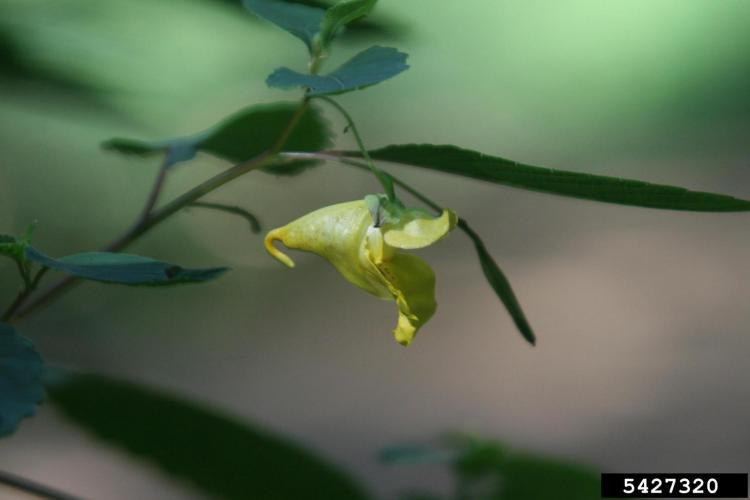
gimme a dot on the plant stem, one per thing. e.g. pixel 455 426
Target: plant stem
pixel 28 288
pixel 232 209
pixel 382 177
pixel 32 487
pixel 23 271
pixel 151 217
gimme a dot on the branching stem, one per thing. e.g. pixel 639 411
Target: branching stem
pixel 151 216
pixel 28 289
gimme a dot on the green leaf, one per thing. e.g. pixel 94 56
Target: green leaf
pixel 124 269
pixel 341 14
pixel 223 457
pixel 454 160
pixel 300 20
pixel 256 130
pixel 20 379
pixel 242 136
pixel 367 68
pixel 499 283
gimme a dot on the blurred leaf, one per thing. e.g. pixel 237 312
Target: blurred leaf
pixel 124 269
pixel 487 470
pixel 254 131
pixel 16 67
pixel 221 456
pixel 379 26
pixel 20 379
pixel 10 246
pixel 242 136
pixel 415 454
pixel 15 249
pixel 300 20
pixel 499 283
pixel 231 209
pixel 477 457
pixel 369 67
pixel 454 160
pixel 528 477
pixel 341 14
pixel 175 150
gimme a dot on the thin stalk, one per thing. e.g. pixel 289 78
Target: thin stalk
pixel 28 289
pixel 24 273
pixel 151 201
pixel 150 217
pixel 231 209
pixel 33 488
pixel 331 156
pixel 383 178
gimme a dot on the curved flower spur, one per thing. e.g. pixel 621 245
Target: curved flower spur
pixel 361 239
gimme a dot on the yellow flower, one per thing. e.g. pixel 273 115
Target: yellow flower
pixel 365 253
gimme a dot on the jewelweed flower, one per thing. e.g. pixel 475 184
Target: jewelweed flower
pixel 361 239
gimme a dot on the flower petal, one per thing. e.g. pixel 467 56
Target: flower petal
pixel 415 230
pixel 411 281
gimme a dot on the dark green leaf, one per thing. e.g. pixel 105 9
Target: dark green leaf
pixel 300 20
pixel 499 283
pixel 20 379
pixel 256 130
pixel 124 269
pixel 369 67
pixel 454 160
pixel 341 14
pixel 243 136
pixel 222 456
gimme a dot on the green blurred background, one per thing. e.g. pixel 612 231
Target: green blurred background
pixel 641 315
